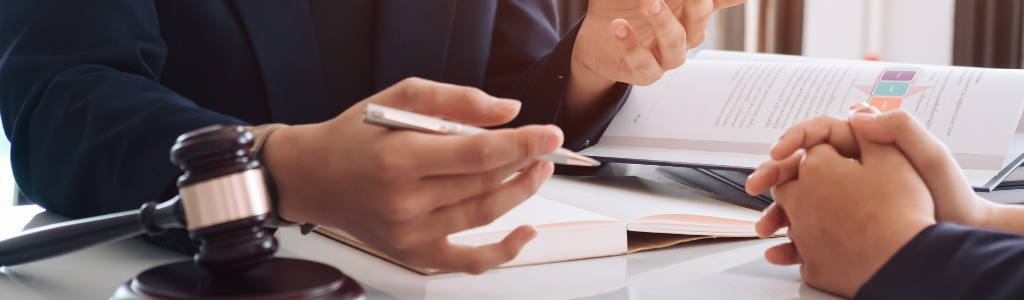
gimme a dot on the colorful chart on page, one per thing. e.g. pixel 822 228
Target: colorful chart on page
pixel 890 88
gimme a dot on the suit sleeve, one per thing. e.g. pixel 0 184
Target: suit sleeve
pixel 89 124
pixel 530 63
pixel 947 261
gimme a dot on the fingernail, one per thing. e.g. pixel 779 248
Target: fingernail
pixel 547 168
pixel 756 171
pixel 528 237
pixel 776 144
pixel 859 108
pixel 864 119
pixel 656 8
pixel 507 105
pixel 621 32
pixel 552 142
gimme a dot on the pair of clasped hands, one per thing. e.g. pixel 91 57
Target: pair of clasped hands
pixel 852 193
pixel 404 192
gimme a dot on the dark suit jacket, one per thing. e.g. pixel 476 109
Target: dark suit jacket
pixel 93 93
pixel 948 261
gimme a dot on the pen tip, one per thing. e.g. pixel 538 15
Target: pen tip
pixel 576 159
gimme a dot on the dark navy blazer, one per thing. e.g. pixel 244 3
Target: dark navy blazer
pixel 93 93
pixel 948 261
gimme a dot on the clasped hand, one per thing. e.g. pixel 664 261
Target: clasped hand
pixel 853 193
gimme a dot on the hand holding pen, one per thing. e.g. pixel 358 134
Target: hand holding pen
pixel 404 192
pixel 400 119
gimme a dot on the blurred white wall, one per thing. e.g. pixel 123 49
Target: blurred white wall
pixel 835 29
pixel 711 42
pixel 918 31
pixel 912 31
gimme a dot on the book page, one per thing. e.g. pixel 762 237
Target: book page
pixel 743 107
pixel 536 211
pixel 783 58
pixel 632 198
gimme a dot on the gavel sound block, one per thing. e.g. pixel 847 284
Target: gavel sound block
pixel 223 203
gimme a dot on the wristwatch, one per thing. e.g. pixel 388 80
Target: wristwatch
pixel 260 134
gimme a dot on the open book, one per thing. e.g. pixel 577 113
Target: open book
pixel 705 271
pixel 724 110
pixel 599 216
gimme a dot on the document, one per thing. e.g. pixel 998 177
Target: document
pixel 725 110
pixel 588 217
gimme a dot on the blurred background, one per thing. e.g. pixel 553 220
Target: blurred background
pixel 981 33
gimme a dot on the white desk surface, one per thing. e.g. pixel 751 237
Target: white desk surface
pixel 722 269
pixel 717 269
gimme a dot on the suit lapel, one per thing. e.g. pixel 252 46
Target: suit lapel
pixel 472 31
pixel 412 39
pixel 284 40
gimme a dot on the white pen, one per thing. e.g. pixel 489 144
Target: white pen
pixel 399 119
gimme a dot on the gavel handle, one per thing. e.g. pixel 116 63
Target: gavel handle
pixel 65 237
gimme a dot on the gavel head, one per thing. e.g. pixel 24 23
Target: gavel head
pixel 225 198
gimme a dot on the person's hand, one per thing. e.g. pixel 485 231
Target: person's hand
pixel 846 217
pixel 632 41
pixel 955 200
pixel 404 192
pixel 636 42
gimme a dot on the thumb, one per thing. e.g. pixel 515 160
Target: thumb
pixel 872 152
pixel 930 158
pixel 880 144
pixel 720 4
pixel 448 101
pixel 870 149
pixel 925 152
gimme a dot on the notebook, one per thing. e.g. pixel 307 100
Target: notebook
pixel 1014 181
pixel 698 271
pixel 724 110
pixel 588 217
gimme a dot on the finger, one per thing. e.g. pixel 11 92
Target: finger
pixel 824 156
pixel 669 34
pixel 858 105
pixel 930 158
pixel 641 68
pixel 448 189
pixel 696 16
pixel 720 4
pixel 774 219
pixel 474 260
pixel 416 154
pixel 485 208
pixel 773 173
pixel 861 108
pixel 926 152
pixel 457 103
pixel 819 159
pixel 879 153
pixel 783 255
pixel 822 129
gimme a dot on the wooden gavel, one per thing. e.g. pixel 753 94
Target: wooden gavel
pixel 223 203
